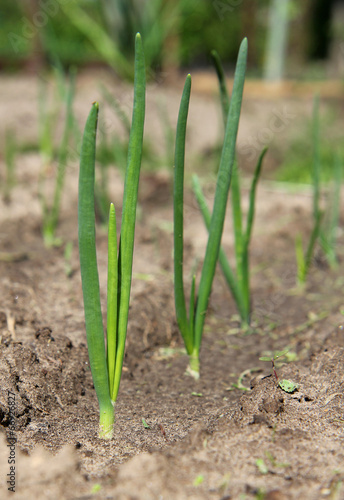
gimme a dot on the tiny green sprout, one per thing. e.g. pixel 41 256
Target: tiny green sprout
pixel 145 425
pixel 288 385
pixel 95 488
pixel 278 354
pixel 197 394
pixel 261 466
pixel 198 480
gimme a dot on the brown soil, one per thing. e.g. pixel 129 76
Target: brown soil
pixel 206 439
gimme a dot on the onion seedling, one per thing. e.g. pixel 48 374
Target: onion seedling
pixel 106 365
pixel 191 324
pixel 238 281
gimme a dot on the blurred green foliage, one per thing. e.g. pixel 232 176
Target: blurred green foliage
pixel 174 32
pixel 204 27
pixel 297 164
pixel 10 14
pixel 30 31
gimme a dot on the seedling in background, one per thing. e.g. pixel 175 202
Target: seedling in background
pixel 304 260
pixel 191 324
pixel 285 385
pixel 51 211
pixel 262 467
pixel 67 259
pixel 238 281
pixel 10 153
pixel 328 229
pixel 111 150
pixel 325 223
pixel 106 365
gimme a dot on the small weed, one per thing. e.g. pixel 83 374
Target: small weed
pixel 285 385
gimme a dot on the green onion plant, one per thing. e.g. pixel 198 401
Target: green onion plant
pixel 191 323
pixel 106 364
pixel 239 280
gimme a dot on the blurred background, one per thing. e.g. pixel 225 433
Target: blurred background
pixel 57 56
pixel 288 38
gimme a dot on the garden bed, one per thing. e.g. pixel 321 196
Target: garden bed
pixel 198 440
